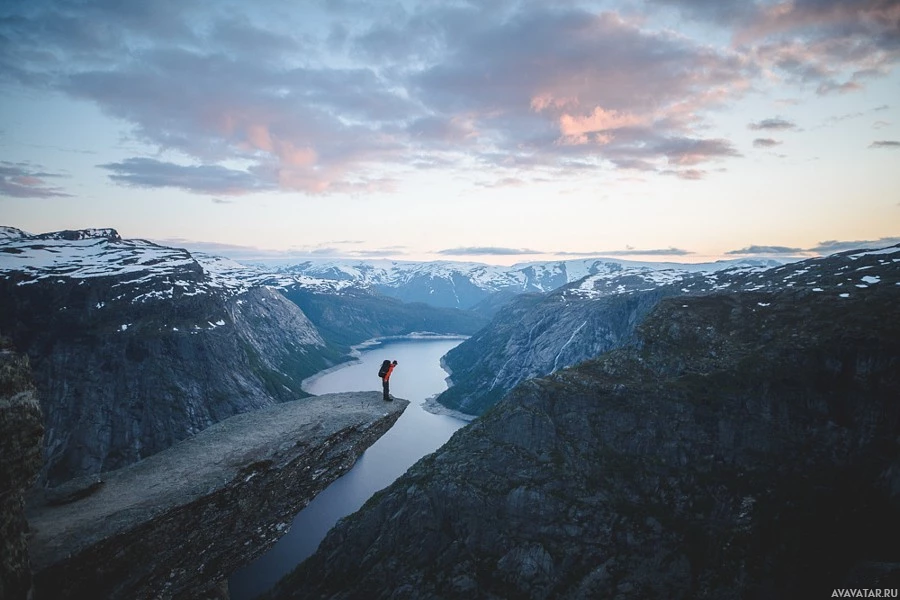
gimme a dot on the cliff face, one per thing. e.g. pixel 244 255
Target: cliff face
pixel 745 447
pixel 536 335
pixel 20 460
pixel 136 346
pixel 533 336
pixel 175 525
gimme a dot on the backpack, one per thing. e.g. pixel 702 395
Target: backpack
pixel 384 368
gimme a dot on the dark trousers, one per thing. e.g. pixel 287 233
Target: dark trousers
pixel 387 389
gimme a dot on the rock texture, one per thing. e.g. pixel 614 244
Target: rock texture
pixel 175 525
pixel 746 446
pixel 20 460
pixel 537 334
pixel 136 346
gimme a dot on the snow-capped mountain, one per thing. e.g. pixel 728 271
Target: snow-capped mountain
pixel 11 233
pixel 135 346
pixel 465 285
pixel 536 335
pixel 147 270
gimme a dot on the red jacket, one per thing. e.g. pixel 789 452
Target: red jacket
pixel 388 374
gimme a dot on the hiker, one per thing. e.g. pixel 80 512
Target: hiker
pixel 387 368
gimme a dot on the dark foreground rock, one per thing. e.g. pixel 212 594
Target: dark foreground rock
pixel 21 432
pixel 176 524
pixel 748 446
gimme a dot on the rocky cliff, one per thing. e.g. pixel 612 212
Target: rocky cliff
pixel 536 335
pixel 175 525
pixel 136 346
pixel 746 446
pixel 21 430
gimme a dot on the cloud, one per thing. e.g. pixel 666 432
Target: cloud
pixel 885 144
pixel 671 251
pixel 832 246
pixel 539 86
pixel 504 182
pixel 880 124
pixel 486 251
pixel 202 179
pixel 823 248
pixel 688 174
pixel 21 180
pixel 774 124
pixel 423 85
pixel 766 143
pixel 766 250
pixel 835 45
pixel 331 98
pixel 500 251
pixel 832 46
pixel 253 253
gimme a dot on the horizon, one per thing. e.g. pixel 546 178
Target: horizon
pixel 492 132
pixel 274 258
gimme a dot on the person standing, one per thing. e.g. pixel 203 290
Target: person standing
pixel 385 382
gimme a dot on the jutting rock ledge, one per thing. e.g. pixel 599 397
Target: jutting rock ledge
pixel 178 523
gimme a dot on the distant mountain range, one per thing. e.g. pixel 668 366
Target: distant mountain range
pixel 472 285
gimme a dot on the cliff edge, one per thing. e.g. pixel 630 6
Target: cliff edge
pixel 178 523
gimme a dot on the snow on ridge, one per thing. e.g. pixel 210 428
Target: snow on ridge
pixel 11 233
pixel 44 257
pixel 537 276
pixel 888 250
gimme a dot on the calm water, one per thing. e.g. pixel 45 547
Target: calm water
pixel 418 376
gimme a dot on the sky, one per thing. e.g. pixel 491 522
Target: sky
pixel 494 131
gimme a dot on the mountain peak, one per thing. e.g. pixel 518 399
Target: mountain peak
pixel 106 233
pixel 12 233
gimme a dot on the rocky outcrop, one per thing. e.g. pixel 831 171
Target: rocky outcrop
pixel 537 334
pixel 136 346
pixel 745 447
pixel 175 525
pixel 20 460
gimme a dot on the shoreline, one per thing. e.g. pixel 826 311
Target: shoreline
pixel 356 351
pixel 431 405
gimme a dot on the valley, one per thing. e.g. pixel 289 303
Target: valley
pixel 639 429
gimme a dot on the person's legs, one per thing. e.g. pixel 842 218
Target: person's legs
pixel 387 389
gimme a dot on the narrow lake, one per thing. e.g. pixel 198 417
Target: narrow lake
pixel 418 376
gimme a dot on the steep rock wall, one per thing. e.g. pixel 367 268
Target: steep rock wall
pixel 746 447
pixel 21 431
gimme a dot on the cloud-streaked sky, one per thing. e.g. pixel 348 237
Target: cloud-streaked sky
pixel 493 130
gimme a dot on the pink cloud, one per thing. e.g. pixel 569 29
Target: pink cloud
pixel 598 120
pixel 786 17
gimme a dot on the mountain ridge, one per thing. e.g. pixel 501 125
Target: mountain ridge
pixel 536 335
